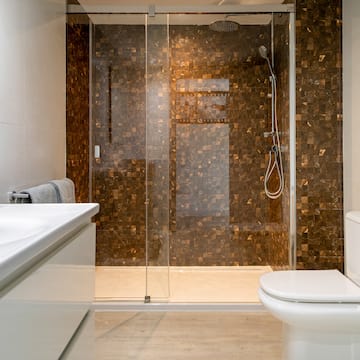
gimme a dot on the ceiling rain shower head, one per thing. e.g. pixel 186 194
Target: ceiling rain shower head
pixel 224 26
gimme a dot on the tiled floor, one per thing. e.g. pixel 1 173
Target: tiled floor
pixel 234 284
pixel 178 335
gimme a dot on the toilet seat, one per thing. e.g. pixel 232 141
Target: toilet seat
pixel 309 286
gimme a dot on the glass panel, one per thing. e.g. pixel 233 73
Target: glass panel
pixel 157 141
pixel 221 107
pixel 179 115
pixel 119 143
pixel 280 258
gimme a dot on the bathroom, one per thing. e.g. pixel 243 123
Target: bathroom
pixel 34 68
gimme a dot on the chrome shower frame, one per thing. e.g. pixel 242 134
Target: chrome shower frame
pixel 292 140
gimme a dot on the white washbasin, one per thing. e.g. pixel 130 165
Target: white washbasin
pixel 29 231
pixel 14 229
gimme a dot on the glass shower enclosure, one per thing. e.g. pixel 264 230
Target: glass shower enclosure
pixel 178 115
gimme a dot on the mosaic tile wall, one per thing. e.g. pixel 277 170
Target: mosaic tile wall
pixel 77 105
pixel 319 135
pixel 319 159
pixel 219 212
pixel 119 129
pixel 219 110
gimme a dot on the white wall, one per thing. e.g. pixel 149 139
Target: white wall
pixel 32 93
pixel 351 93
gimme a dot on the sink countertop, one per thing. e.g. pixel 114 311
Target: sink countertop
pixel 28 232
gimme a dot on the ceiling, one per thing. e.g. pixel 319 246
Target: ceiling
pixel 175 19
pixel 180 19
pixel 177 2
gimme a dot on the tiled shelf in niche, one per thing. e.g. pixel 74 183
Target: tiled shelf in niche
pixel 201 101
pixel 201 108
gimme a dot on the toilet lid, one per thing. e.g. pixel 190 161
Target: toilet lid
pixel 310 286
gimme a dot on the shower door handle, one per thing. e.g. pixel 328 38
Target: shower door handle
pixel 97 151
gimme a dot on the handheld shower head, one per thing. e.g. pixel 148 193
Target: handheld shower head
pixel 263 52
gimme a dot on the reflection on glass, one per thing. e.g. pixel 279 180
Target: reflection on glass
pixel 179 112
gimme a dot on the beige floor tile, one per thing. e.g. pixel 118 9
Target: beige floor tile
pixel 187 335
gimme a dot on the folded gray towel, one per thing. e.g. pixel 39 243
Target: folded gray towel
pixel 44 193
pixel 65 190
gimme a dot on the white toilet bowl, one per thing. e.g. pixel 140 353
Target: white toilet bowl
pixel 320 309
pixel 321 320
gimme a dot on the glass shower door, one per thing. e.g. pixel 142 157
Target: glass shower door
pixel 129 135
pixel 157 157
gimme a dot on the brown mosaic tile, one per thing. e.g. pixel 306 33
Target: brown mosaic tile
pixel 319 135
pixel 248 229
pixel 119 129
pixel 77 104
pixel 206 208
pixel 231 219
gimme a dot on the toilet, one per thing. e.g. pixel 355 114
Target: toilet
pixel 320 309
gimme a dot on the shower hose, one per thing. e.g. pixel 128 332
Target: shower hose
pixel 275 164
